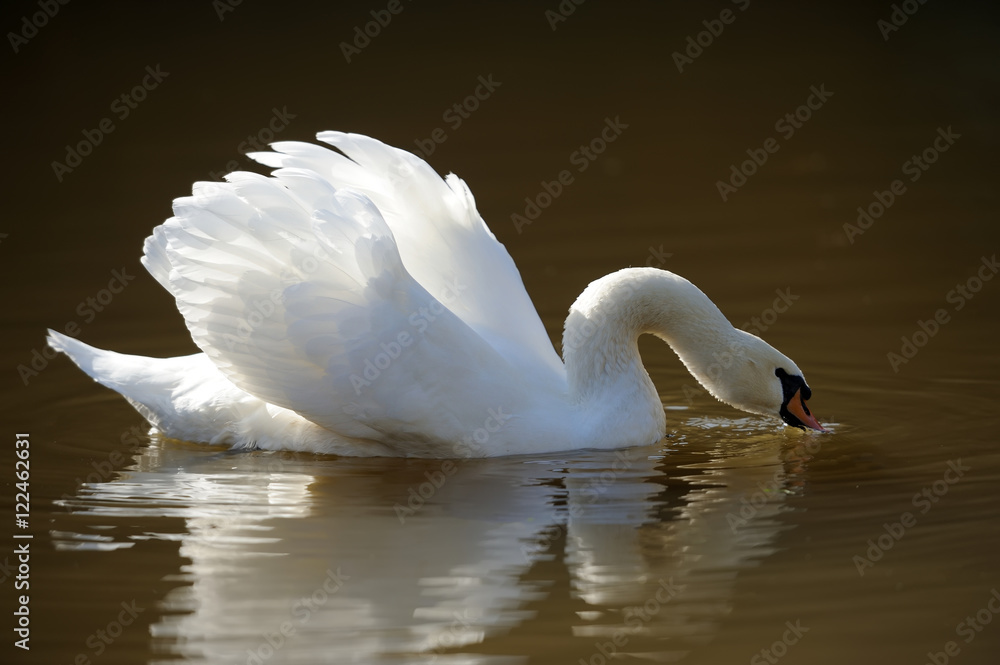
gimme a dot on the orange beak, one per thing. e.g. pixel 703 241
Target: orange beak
pixel 797 407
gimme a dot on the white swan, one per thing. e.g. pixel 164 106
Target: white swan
pixel 359 305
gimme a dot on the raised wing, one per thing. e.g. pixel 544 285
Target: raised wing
pixel 443 241
pixel 297 292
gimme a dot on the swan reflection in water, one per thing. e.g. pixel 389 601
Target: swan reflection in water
pixel 293 558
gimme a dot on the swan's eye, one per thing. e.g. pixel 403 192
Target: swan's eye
pixel 792 383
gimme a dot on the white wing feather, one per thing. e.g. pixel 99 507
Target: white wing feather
pixel 443 241
pixel 295 287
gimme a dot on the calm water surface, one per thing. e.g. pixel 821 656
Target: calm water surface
pixel 733 540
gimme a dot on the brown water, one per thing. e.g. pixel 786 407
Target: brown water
pixel 877 543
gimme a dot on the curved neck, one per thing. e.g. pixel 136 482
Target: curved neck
pixel 600 338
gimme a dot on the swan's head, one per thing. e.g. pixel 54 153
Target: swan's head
pixel 736 367
pixel 754 376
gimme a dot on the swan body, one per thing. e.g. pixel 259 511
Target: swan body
pixel 356 303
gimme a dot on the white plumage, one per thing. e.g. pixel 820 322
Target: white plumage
pixel 360 305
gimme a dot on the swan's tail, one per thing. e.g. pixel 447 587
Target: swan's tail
pixel 149 384
pixel 189 398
